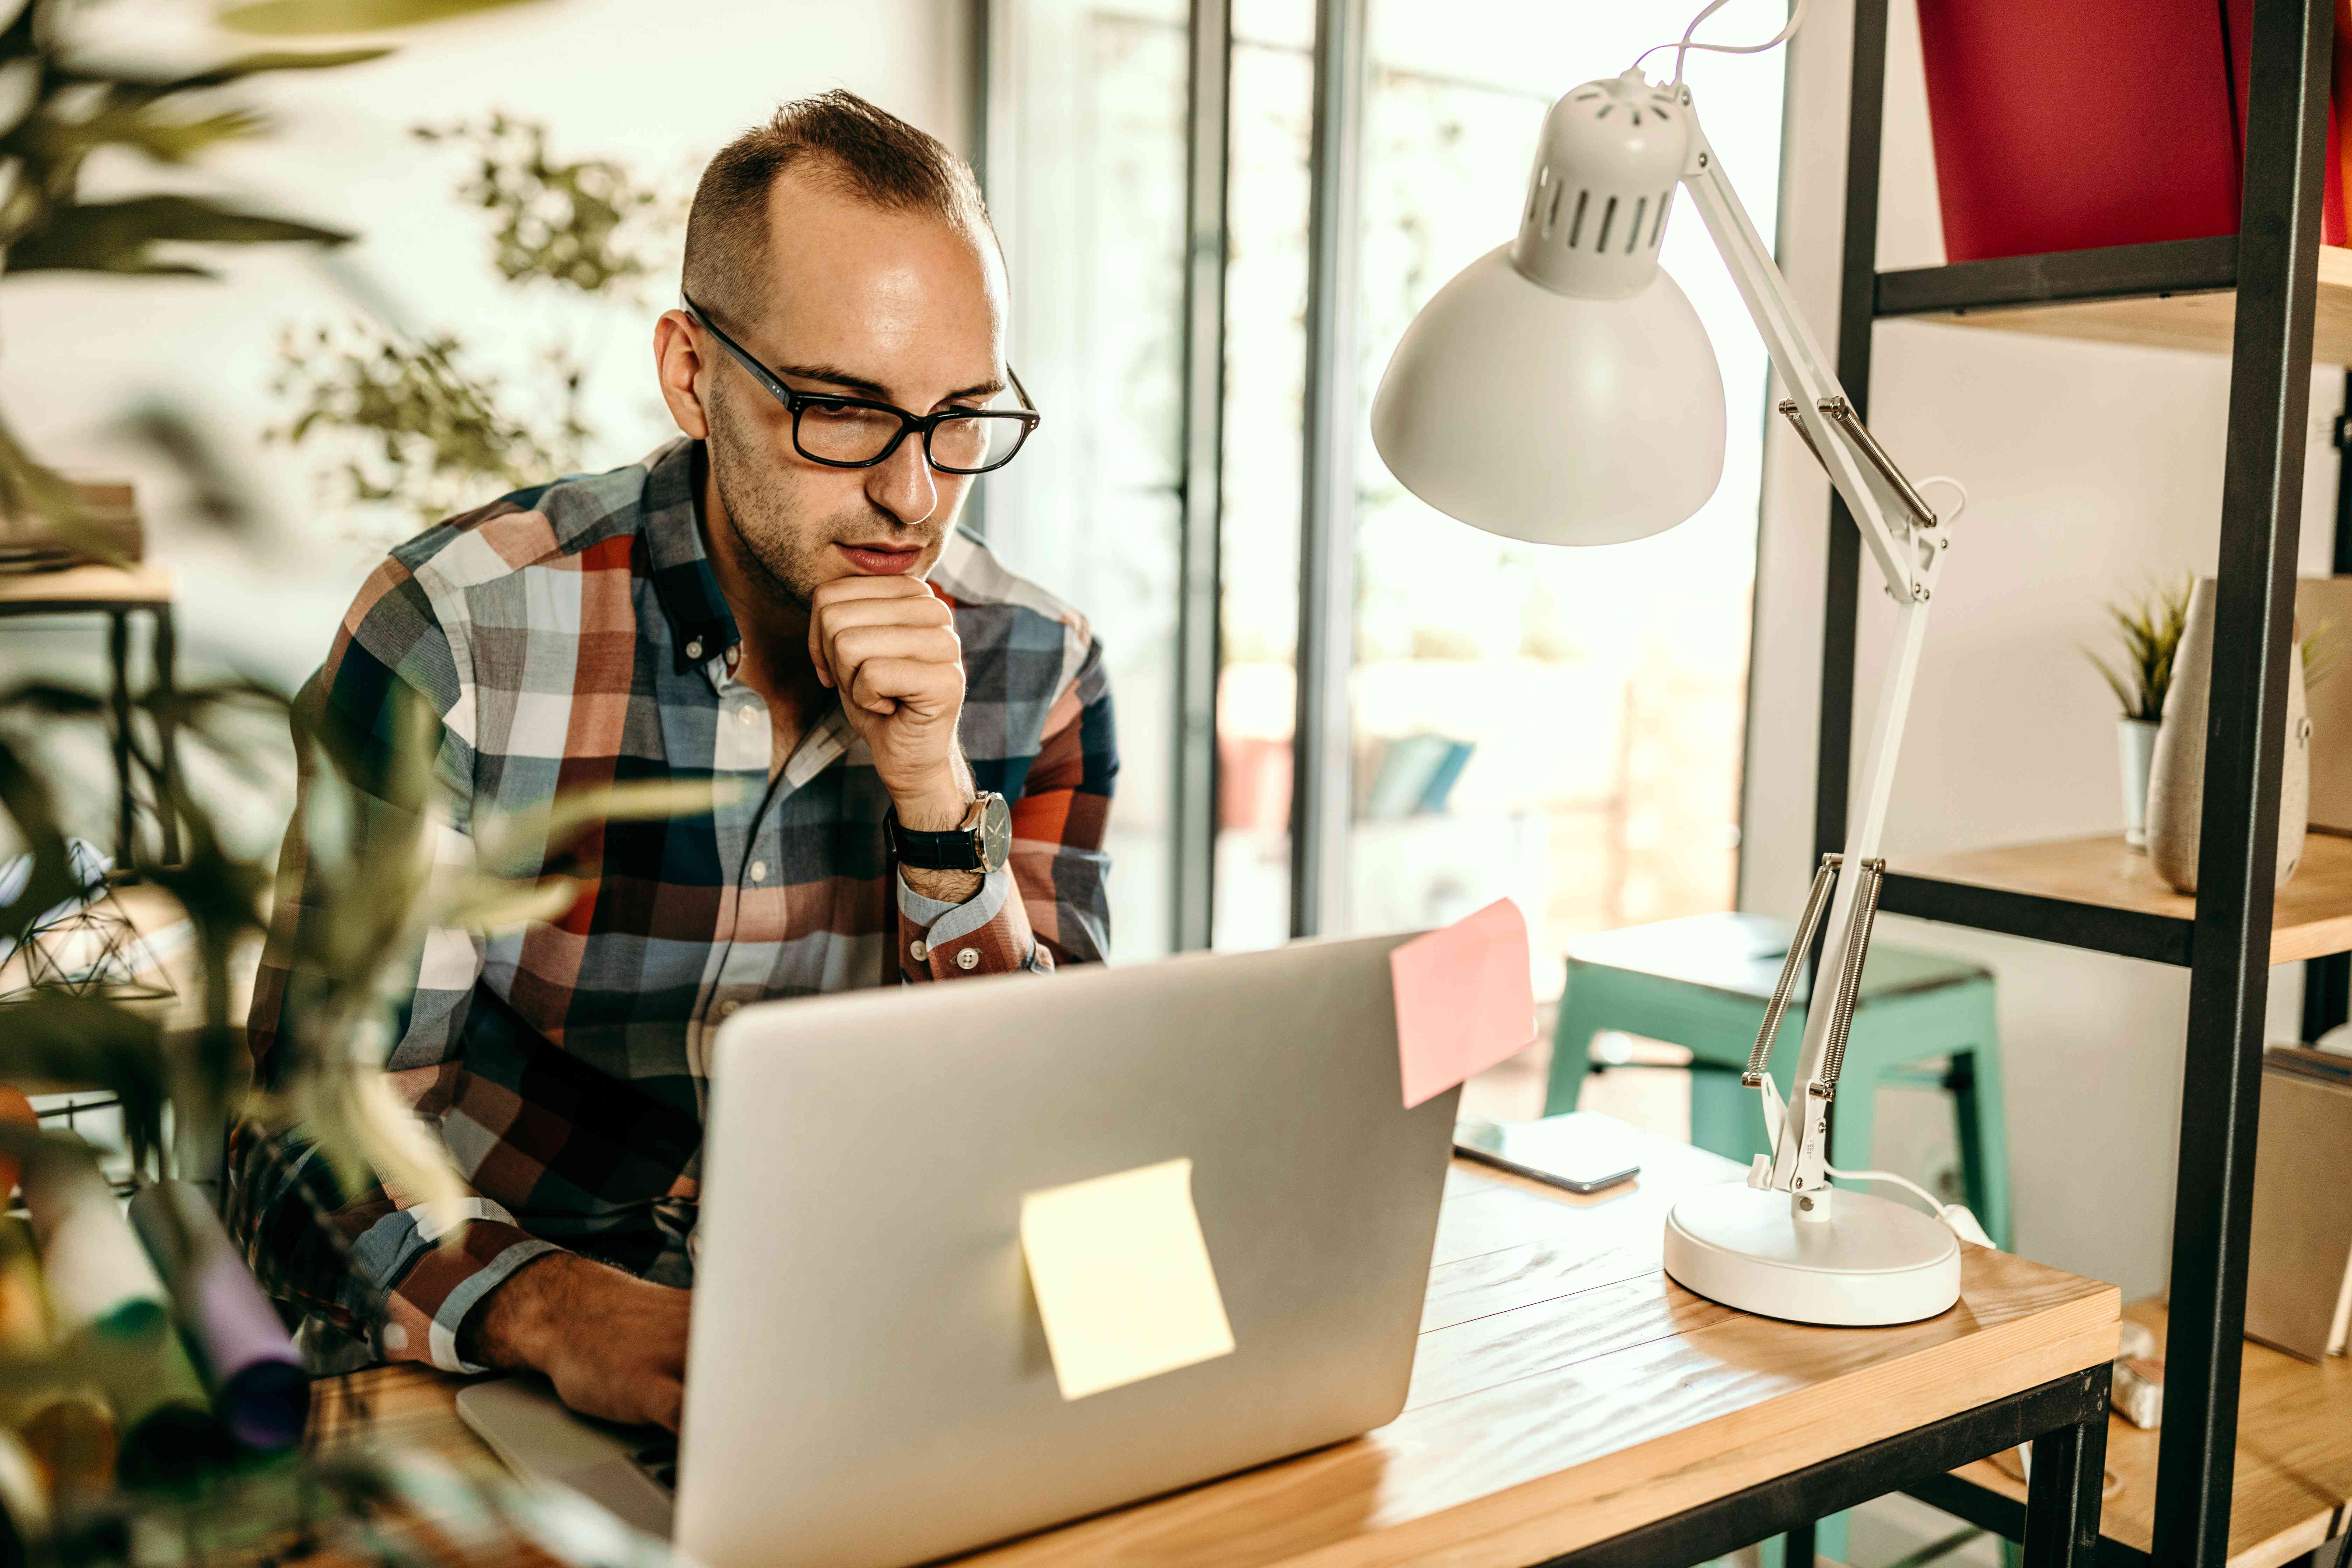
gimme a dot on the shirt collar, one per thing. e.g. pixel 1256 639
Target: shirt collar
pixel 702 626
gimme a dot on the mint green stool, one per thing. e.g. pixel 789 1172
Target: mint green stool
pixel 1704 982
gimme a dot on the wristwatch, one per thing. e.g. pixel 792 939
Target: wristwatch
pixel 980 843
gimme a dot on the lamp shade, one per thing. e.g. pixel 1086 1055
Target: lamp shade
pixel 1554 417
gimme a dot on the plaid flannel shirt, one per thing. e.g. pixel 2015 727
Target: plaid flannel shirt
pixel 576 635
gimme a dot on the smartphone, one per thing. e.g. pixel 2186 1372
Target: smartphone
pixel 1581 1151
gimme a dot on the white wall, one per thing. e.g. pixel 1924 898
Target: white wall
pixel 2091 468
pixel 661 86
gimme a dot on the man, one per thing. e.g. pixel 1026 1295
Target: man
pixel 779 601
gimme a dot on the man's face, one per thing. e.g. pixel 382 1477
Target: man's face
pixel 896 307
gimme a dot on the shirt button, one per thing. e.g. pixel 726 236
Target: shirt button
pixel 747 715
pixel 968 958
pixel 758 870
pixel 694 650
pixel 728 1008
pixel 919 950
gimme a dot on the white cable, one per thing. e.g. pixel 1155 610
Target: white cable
pixel 1952 516
pixel 1683 48
pixel 1906 1183
pixel 1961 1221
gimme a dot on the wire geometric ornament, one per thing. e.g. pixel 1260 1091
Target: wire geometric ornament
pixel 85 946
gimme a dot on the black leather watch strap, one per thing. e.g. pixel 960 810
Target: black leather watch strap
pixel 978 844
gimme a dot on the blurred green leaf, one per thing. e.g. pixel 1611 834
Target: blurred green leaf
pixel 24 796
pixel 88 1042
pixel 255 63
pixel 297 18
pixel 126 122
pixel 116 236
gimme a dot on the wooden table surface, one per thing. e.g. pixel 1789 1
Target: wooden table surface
pixel 95 587
pixel 1564 1392
pixel 2292 1486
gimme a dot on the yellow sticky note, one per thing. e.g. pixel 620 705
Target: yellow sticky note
pixel 1122 1278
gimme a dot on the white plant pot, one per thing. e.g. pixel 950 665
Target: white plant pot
pixel 2135 750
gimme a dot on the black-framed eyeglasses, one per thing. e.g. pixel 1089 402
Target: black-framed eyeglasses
pixel 859 433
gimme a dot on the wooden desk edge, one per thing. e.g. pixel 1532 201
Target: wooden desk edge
pixel 1581 1506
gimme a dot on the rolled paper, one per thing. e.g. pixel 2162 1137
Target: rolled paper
pixel 98 1274
pixel 24 1499
pixel 66 1434
pixel 260 1389
pixel 71 1440
pixel 13 1107
pixel 170 1434
pixel 24 1304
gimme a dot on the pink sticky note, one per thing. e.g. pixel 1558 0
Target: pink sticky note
pixel 1464 1001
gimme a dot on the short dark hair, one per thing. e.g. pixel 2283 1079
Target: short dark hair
pixel 868 152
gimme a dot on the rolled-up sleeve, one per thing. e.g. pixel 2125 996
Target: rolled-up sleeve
pixel 1050 904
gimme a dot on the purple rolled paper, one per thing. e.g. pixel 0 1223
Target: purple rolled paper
pixel 259 1388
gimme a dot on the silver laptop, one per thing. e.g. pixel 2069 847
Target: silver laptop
pixel 868 1382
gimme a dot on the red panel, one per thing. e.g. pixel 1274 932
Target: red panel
pixel 2069 124
pixel 2241 15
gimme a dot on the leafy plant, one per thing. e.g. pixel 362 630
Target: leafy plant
pixel 586 225
pixel 65 108
pixel 367 829
pixel 427 433
pixel 2322 651
pixel 2149 626
pixel 417 423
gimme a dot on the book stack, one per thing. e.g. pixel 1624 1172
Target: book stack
pixel 2299 1284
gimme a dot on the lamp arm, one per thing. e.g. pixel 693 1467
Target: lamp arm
pixel 1908 546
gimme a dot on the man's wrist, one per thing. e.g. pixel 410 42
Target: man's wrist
pixel 511 1326
pixel 940 809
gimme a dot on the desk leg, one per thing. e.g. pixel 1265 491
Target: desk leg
pixel 118 648
pixel 1797 1548
pixel 165 651
pixel 2062 1500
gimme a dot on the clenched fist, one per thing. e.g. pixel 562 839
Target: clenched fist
pixel 888 645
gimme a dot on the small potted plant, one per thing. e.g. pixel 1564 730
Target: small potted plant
pixel 2149 627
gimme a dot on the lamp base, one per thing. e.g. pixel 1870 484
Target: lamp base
pixel 1872 1262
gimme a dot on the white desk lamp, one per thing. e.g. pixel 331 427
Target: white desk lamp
pixel 1561 390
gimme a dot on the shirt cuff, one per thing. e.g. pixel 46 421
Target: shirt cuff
pixel 431 1287
pixel 988 933
pixel 938 916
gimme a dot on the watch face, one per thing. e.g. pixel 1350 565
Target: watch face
pixel 995 833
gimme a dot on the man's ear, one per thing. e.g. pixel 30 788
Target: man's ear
pixel 677 365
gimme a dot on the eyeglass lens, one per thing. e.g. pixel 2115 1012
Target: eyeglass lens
pixel 855 435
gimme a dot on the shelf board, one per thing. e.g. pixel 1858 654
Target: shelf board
pixel 2096 893
pixel 2294 1471
pixel 2181 294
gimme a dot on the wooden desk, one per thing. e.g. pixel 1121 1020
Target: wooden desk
pixel 1569 1399
pixel 2292 1489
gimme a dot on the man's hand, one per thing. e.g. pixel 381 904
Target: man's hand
pixel 888 645
pixel 613 1345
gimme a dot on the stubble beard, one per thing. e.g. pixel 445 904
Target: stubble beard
pixel 770 536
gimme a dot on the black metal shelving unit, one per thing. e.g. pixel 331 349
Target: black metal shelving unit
pixel 2272 265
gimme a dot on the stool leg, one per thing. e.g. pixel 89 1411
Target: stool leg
pixel 163 648
pixel 1724 1117
pixel 118 648
pixel 1978 1106
pixel 1571 1047
pixel 1852 1117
